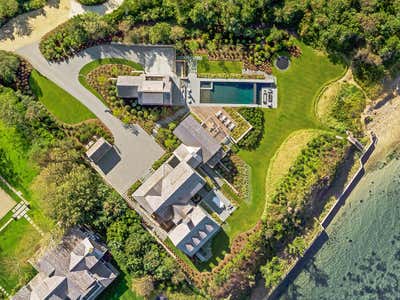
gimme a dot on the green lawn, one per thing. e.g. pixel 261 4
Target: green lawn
pixel 18 242
pixel 219 66
pixel 120 289
pixel 298 88
pixel 61 104
pixel 104 61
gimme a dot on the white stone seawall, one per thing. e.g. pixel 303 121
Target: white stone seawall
pixel 322 236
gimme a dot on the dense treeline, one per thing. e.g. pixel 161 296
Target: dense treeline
pixel 11 8
pixel 287 216
pixel 367 31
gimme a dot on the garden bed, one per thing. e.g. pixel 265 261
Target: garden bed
pixel 237 173
pixel 101 79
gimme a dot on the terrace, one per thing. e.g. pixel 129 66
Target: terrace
pixel 222 122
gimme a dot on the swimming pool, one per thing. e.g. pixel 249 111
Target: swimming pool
pixel 231 92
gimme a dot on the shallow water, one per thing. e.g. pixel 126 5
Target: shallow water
pixel 361 259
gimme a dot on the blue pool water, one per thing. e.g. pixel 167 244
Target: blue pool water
pixel 230 92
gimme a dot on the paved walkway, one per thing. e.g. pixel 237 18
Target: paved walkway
pixel 136 149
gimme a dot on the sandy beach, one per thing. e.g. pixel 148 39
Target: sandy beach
pixel 385 124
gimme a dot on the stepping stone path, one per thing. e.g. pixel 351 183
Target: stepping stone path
pixel 21 210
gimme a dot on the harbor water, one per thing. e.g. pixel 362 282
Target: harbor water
pixel 361 258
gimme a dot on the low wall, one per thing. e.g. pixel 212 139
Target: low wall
pixel 352 184
pixel 322 237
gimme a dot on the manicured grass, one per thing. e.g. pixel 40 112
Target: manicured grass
pixel 104 61
pixel 18 242
pixel 219 66
pixel 60 104
pixel 120 289
pixel 298 88
pixel 21 171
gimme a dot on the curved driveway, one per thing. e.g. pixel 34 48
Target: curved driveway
pixel 137 150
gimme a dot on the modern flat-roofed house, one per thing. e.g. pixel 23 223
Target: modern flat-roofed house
pixel 192 134
pixel 75 269
pixel 148 89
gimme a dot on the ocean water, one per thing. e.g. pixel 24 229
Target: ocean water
pixel 361 258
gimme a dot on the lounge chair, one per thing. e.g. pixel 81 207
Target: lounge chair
pixel 231 126
pixel 227 122
pixel 223 118
pixel 218 114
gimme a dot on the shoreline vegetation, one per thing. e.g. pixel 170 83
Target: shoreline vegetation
pixel 315 238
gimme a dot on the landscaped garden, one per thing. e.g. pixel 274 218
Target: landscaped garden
pixel 99 77
pixel 61 104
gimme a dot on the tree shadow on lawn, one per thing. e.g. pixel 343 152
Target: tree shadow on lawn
pixel 220 247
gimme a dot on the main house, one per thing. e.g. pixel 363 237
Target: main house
pixel 148 89
pixel 78 268
pixel 172 193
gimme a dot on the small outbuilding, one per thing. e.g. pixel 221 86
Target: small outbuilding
pixel 98 150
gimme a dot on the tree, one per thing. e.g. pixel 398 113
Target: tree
pixel 9 65
pixel 8 8
pixel 144 286
pixel 297 247
pixel 160 33
pixel 272 272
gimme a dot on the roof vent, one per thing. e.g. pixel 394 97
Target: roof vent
pixel 202 234
pixel 196 240
pixel 189 247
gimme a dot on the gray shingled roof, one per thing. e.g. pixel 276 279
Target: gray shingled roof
pixel 70 271
pixel 168 186
pixel 197 228
pixel 190 132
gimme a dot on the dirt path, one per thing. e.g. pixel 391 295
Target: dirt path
pixel 6 203
pixel 28 28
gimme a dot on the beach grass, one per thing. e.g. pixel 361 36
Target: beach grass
pixel 63 106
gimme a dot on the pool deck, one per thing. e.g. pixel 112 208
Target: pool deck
pixel 193 89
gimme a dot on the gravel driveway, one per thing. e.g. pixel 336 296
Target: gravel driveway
pixel 137 150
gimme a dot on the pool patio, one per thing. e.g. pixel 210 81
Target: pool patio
pixel 192 91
